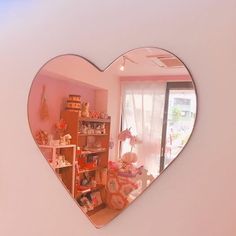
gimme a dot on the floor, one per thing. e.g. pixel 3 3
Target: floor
pixel 103 216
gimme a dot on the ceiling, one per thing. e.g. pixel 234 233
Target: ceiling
pixel 141 62
pixel 148 62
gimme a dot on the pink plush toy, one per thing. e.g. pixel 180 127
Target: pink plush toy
pixel 129 157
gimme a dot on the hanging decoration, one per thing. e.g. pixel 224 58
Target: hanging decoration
pixel 43 110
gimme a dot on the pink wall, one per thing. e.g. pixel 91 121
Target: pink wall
pixel 57 91
pixel 106 84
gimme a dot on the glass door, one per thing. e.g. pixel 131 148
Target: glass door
pixel 179 117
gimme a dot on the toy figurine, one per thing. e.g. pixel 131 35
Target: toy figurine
pixel 85 110
pixel 98 129
pixel 103 128
pixel 84 129
pixel 65 140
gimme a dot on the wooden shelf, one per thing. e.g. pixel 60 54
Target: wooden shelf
pixel 85 140
pixel 94 120
pixel 86 135
pixel 63 166
pixel 58 146
pixel 90 189
pixel 92 169
pixel 98 186
pixel 87 152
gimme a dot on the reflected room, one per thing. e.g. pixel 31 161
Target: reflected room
pixel 108 134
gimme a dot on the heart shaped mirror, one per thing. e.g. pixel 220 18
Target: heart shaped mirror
pixel 109 134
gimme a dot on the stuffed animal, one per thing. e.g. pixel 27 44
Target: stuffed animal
pixel 65 140
pixel 85 109
pixel 129 157
pixel 128 169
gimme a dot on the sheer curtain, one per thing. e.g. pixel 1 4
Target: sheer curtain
pixel 142 112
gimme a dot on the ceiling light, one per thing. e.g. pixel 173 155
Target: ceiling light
pixel 122 66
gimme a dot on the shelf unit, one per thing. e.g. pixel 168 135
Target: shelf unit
pixel 82 142
pixel 94 119
pixel 67 170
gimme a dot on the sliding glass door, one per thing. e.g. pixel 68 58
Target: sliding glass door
pixel 162 115
pixel 178 120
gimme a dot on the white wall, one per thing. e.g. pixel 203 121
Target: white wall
pixel 196 195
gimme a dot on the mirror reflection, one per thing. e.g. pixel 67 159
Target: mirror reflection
pixel 109 134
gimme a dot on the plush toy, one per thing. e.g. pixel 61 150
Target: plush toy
pixel 65 140
pixel 129 157
pixel 85 109
pixel 128 168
